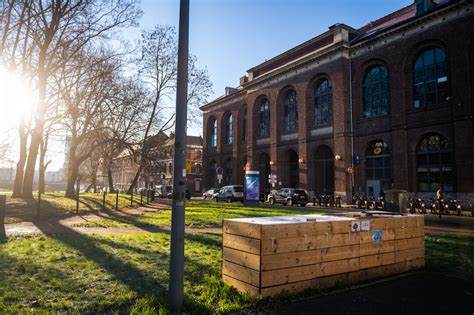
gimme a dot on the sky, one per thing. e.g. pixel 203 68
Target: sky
pixel 230 36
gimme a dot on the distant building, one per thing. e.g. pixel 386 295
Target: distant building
pixel 159 169
pixel 388 105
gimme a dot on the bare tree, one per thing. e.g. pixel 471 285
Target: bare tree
pixel 158 69
pixel 53 33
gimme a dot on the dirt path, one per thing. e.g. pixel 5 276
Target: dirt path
pixel 73 224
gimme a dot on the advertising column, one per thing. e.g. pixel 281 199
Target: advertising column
pixel 252 188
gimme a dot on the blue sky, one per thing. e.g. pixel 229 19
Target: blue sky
pixel 230 36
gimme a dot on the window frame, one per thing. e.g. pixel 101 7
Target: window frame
pixel 381 85
pixel 328 104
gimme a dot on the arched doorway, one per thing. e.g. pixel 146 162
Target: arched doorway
pixel 264 169
pixel 228 171
pixel 323 171
pixel 212 174
pixel 292 170
pixel 434 164
pixel 378 174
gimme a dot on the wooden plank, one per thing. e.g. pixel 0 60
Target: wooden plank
pixel 249 245
pixel 241 258
pixel 382 223
pixel 307 228
pixel 241 228
pixel 409 232
pixel 409 243
pixel 241 286
pixel 295 274
pixel 409 254
pixel 376 260
pixel 318 283
pixel 366 237
pixel 377 248
pixel 310 257
pixel 241 273
pixel 292 244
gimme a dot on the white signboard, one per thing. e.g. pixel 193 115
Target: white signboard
pixel 365 226
pixel 355 226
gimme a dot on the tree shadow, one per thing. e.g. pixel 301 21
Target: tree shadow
pixel 124 271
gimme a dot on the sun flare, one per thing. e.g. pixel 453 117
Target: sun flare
pixel 16 98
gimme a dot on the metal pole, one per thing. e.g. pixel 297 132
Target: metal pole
pixel 176 281
pixel 3 202
pixel 116 199
pixel 103 200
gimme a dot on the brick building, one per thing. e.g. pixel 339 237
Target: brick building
pixel 159 170
pixel 388 105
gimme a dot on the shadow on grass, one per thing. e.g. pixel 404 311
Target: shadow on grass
pixel 126 272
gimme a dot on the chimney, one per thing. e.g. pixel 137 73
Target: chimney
pixel 424 6
pixel 229 91
pixel 244 80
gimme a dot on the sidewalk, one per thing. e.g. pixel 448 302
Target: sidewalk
pixel 453 295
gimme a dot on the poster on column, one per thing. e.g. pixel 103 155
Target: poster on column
pixel 252 187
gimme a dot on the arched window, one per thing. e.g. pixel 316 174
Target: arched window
pixel 430 78
pixel 375 88
pixel 228 129
pixel 434 164
pixel 290 112
pixel 323 103
pixel 377 167
pixel 213 133
pixel 264 119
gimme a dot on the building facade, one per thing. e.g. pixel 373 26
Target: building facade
pixel 159 169
pixel 388 105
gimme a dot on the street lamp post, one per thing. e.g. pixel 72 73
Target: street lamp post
pixel 176 281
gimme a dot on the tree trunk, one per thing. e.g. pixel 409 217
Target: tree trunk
pixel 73 171
pixel 135 180
pixel 110 177
pixel 37 135
pixel 20 166
pixel 43 165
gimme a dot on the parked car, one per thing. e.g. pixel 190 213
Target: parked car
pixel 230 193
pixel 211 193
pixel 163 191
pixel 187 195
pixel 289 196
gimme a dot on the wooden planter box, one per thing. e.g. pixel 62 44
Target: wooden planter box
pixel 265 256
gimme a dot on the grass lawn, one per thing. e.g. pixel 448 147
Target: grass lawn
pixel 199 214
pixel 56 205
pixel 129 273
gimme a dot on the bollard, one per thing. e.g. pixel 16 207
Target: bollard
pixel 3 202
pixel 77 203
pixel 38 207
pixel 116 199
pixel 103 201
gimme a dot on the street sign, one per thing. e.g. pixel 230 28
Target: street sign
pixel 219 170
pixel 356 159
pixel 219 177
pixel 188 166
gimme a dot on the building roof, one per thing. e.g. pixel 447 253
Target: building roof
pixel 325 40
